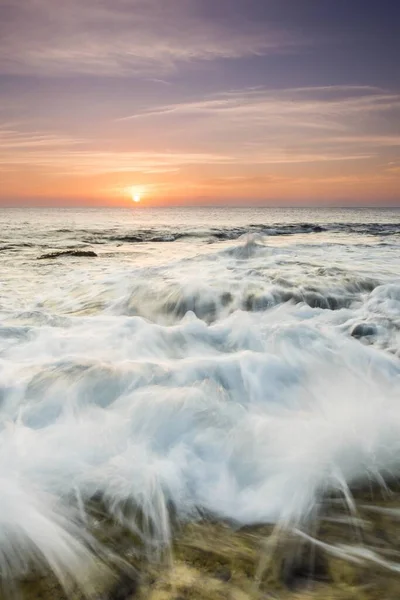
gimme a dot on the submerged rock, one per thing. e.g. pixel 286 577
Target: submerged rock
pixel 125 588
pixel 339 557
pixel 76 253
pixel 307 566
pixel 364 330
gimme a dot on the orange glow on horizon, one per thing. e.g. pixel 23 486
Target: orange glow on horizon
pixel 236 185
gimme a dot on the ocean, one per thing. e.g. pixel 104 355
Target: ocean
pixel 240 364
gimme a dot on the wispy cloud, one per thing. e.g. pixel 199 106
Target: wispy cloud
pixel 12 139
pixel 329 103
pixel 284 126
pixel 240 142
pixel 60 154
pixel 393 167
pixel 140 36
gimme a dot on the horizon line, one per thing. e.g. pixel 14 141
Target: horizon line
pixel 202 206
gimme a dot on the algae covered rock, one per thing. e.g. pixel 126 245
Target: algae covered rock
pixel 343 556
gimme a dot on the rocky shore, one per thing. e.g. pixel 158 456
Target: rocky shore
pixel 346 555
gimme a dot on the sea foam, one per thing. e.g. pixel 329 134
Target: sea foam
pixel 247 413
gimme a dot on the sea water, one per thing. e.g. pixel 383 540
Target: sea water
pixel 237 363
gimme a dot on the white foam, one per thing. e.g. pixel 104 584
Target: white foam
pixel 250 416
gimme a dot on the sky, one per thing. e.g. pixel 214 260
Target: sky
pixel 199 102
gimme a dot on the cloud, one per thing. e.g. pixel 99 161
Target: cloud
pixel 291 125
pixel 60 154
pixel 247 133
pixel 393 167
pixel 314 103
pixel 12 139
pixel 109 37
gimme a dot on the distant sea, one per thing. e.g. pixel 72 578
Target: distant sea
pixel 239 363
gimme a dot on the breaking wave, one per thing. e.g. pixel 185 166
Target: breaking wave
pixel 77 238
pixel 234 233
pixel 245 383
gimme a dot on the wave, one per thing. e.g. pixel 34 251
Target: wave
pixel 248 277
pixel 81 240
pixel 170 234
pixel 246 384
pixel 234 233
pixel 243 420
pixel 210 304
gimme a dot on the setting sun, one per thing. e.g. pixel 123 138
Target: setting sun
pixel 135 193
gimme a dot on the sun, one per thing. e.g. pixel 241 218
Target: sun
pixel 136 193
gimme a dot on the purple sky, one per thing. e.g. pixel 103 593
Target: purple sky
pixel 199 101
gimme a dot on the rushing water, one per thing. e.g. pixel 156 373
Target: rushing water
pixel 238 363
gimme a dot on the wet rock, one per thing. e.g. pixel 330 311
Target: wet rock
pixel 307 567
pixel 130 239
pixel 76 253
pixel 226 298
pixel 126 588
pixel 210 560
pixel 223 574
pixel 364 330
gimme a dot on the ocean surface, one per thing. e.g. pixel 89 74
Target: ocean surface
pixel 237 363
